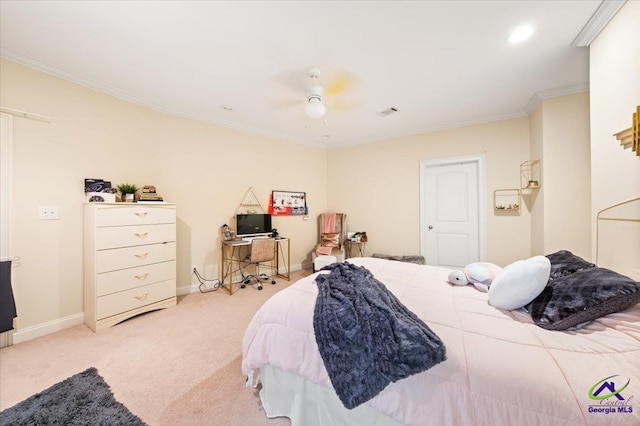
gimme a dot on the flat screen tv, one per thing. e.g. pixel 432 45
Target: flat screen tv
pixel 253 224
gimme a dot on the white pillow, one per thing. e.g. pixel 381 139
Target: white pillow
pixel 520 283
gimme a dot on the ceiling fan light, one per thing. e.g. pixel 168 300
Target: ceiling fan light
pixel 315 108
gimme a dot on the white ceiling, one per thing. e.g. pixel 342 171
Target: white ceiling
pixel 440 63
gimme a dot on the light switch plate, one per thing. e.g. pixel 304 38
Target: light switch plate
pixel 48 213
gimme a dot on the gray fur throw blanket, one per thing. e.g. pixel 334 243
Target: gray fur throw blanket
pixel 367 338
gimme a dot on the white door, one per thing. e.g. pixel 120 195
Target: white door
pixel 452 219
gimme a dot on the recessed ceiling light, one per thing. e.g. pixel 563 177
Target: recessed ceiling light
pixel 520 34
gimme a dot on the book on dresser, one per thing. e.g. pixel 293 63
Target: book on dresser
pixel 129 261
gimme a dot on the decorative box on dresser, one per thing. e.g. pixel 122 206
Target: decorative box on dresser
pixel 129 261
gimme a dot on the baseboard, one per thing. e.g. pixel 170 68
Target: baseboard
pixel 35 331
pixel 195 288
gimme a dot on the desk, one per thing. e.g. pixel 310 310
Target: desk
pixel 232 261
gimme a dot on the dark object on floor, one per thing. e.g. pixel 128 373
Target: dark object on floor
pixel 82 399
pixel 409 259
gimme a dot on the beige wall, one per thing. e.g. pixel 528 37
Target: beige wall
pixel 615 93
pixel 95 135
pixel 561 207
pixel 194 164
pixel 534 201
pixel 378 184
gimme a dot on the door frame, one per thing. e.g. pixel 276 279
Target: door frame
pixel 479 160
pixel 6 173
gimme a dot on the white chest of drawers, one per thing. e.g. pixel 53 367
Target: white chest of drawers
pixel 129 261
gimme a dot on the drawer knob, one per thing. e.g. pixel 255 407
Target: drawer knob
pixel 142 297
pixel 141 256
pixel 141 214
pixel 142 276
pixel 141 234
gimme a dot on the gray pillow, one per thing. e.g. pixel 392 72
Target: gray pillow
pixel 564 262
pixel 583 296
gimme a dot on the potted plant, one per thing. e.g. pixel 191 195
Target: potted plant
pixel 128 191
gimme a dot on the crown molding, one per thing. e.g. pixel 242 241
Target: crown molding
pixel 600 18
pixel 553 93
pixel 141 101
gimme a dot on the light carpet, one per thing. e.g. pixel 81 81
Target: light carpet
pixel 176 366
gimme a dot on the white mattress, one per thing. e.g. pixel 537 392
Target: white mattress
pixel 501 369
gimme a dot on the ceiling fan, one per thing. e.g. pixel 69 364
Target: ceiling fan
pixel 318 98
pixel 315 107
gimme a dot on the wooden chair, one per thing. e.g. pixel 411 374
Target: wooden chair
pixel 340 229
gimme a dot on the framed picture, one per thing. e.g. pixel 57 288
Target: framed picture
pixel 288 203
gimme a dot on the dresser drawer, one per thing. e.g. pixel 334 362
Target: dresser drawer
pixel 125 279
pixel 127 300
pixel 134 215
pixel 134 235
pixel 131 257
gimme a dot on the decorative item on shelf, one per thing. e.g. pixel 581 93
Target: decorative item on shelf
pixel 357 237
pixel 107 196
pixel 250 199
pixel 128 191
pixel 507 200
pixel 227 233
pixel 530 175
pixel 149 194
pixel 99 191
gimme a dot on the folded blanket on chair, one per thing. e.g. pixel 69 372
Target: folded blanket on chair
pixel 324 251
pixel 367 338
pixel 329 222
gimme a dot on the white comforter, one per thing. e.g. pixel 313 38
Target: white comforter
pixel 501 369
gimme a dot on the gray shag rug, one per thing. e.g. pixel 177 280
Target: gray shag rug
pixel 82 399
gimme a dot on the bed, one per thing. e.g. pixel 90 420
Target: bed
pixel 501 367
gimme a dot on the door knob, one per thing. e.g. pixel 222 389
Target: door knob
pixel 430 227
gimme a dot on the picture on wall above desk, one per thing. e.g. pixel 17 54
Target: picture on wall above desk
pixel 287 203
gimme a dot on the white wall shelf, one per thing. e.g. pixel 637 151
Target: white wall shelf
pixel 506 200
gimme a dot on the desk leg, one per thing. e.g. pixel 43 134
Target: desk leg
pixel 227 268
pixel 286 262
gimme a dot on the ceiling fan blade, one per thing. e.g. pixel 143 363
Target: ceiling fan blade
pixel 340 83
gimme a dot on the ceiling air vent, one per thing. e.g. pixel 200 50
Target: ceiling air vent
pixel 387 111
